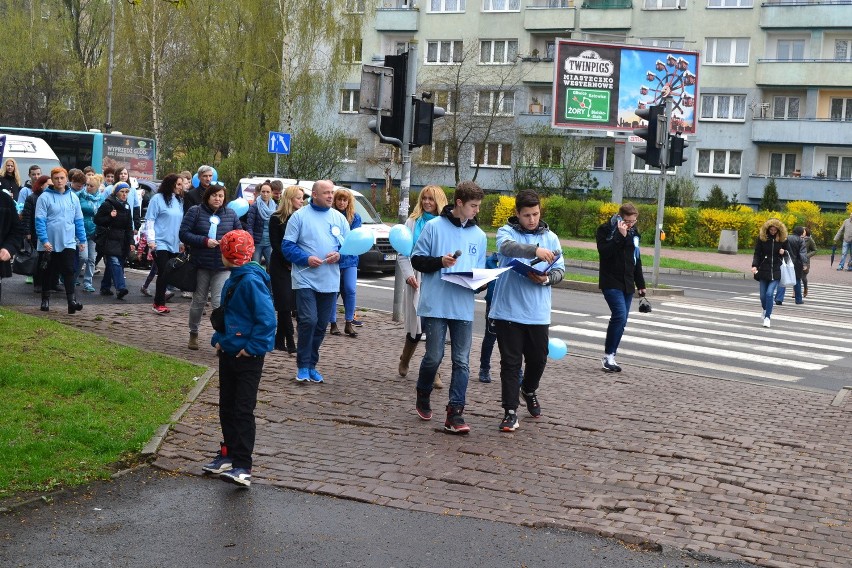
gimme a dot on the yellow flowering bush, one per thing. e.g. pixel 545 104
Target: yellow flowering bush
pixel 674 225
pixel 711 222
pixel 808 214
pixel 606 211
pixel 504 209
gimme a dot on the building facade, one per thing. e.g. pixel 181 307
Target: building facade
pixel 774 95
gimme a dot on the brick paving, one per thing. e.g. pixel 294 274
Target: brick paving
pixel 728 469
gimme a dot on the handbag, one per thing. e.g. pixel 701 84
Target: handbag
pixel 644 305
pixel 26 261
pixel 788 272
pixel 181 273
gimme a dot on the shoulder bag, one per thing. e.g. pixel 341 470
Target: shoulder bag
pixel 181 273
pixel 26 260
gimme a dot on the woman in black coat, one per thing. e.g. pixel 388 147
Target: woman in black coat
pixel 279 269
pixel 114 238
pixel 769 249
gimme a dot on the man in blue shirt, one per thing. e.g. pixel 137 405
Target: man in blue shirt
pixel 451 242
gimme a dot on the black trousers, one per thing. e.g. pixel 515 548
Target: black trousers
pixel 161 258
pixel 520 343
pixel 58 264
pixel 285 332
pixel 239 379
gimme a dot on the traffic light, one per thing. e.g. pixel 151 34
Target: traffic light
pixel 392 126
pixel 651 152
pixel 676 146
pixel 425 114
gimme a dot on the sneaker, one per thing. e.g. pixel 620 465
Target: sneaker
pixel 97 271
pixel 239 476
pixel 608 363
pixel 314 376
pixel 88 288
pixel 532 403
pixel 778 302
pixel 510 422
pixel 455 423
pixel 145 291
pixel 424 409
pixel 765 322
pixel 303 375
pixel 160 309
pixel 219 464
pixel 484 376
pixel 106 292
pixel 186 295
pixel 169 295
pixel 357 323
pixel 121 294
pixel 839 269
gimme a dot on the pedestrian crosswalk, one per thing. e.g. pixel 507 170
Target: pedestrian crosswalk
pixel 726 337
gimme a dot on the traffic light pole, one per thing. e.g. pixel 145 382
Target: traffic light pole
pixel 663 143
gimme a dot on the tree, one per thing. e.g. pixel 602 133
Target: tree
pixel 770 201
pixel 680 192
pixel 717 199
pixel 552 162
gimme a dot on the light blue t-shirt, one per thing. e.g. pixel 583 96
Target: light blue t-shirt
pixel 516 297
pixel 59 220
pixel 317 233
pixel 166 221
pixel 439 298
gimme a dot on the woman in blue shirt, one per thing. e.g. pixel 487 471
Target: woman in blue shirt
pixel 345 204
pixel 162 224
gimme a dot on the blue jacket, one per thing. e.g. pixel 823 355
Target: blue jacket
pixel 350 260
pixel 59 220
pixel 249 316
pixel 89 204
pixel 195 230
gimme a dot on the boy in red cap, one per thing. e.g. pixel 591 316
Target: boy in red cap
pixel 242 341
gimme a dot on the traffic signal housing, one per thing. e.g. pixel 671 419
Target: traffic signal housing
pixel 392 126
pixel 676 146
pixel 651 152
pixel 425 114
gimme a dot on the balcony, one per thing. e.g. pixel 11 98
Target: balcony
pixel 819 190
pixel 533 120
pixel 396 19
pixel 820 14
pixel 822 132
pixel 606 15
pixel 549 15
pixel 537 71
pixel 803 73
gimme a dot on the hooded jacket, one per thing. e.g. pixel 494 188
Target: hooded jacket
pixel 250 318
pixel 766 257
pixel 116 233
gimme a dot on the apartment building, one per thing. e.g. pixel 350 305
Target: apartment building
pixel 774 91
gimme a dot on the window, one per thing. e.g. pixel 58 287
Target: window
pixel 842 49
pixel 542 153
pixel 790 50
pixel 498 51
pixel 782 164
pixel 674 43
pixel 444 52
pixel 841 109
pixel 719 162
pixel 354 6
pixel 494 154
pixel 639 165
pixel 501 5
pixel 446 5
pixel 501 103
pixel 550 49
pixel 730 3
pixel 838 167
pixel 350 100
pixel 448 100
pixel 352 50
pixel 348 150
pixel 401 47
pixel 438 153
pixel 723 107
pixel 726 51
pixel 604 158
pixel 664 4
pixel 785 107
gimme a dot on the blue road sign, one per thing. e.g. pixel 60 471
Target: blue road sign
pixel 279 143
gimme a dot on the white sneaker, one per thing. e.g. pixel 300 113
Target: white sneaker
pixel 608 363
pixel 765 322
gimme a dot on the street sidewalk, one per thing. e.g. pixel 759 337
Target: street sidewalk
pixel 729 469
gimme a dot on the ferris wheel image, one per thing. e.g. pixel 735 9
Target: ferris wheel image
pixel 671 78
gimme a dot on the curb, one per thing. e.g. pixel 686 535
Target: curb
pixel 593 265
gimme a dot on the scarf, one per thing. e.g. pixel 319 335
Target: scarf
pixel 265 211
pixel 418 225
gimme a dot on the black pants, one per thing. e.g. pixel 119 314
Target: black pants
pixel 58 263
pixel 285 332
pixel 239 379
pixel 520 343
pixel 161 258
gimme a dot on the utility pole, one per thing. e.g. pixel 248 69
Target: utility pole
pixel 663 145
pixel 108 125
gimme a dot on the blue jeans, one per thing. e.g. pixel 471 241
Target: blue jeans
pixel 348 281
pixel 90 255
pixel 461 332
pixel 797 292
pixel 845 251
pixel 113 273
pixel 619 307
pixel 262 251
pixel 313 309
pixel 767 295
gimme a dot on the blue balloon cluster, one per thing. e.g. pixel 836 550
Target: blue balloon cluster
pixel 401 239
pixel 239 205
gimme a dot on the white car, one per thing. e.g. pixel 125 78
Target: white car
pixel 382 257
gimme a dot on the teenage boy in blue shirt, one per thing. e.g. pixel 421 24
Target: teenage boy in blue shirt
pixel 521 304
pixel 444 305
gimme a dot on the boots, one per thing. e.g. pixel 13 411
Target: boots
pixel 349 330
pixel 334 329
pixel 407 352
pixel 455 423
pixel 805 291
pixel 193 341
pixel 45 304
pixel 73 304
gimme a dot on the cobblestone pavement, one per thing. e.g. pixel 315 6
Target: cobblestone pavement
pixel 733 470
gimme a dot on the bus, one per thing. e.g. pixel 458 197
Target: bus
pixel 94 148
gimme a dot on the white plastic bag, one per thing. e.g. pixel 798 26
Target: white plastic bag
pixel 788 272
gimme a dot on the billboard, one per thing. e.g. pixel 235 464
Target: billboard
pixel 138 155
pixel 600 85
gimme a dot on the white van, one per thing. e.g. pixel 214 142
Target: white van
pixel 382 257
pixel 28 151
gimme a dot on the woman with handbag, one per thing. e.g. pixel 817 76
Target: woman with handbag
pixel 279 269
pixel 202 228
pixel 162 223
pixel 115 238
pixel 769 253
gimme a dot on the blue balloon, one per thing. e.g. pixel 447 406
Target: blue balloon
pixel 401 239
pixel 195 181
pixel 215 174
pixel 240 206
pixel 358 241
pixel 556 348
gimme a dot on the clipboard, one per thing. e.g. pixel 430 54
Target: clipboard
pixel 525 269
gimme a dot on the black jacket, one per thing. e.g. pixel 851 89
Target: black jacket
pixel 11 232
pixel 11 185
pixel 114 234
pixel 767 260
pixel 192 197
pixel 619 267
